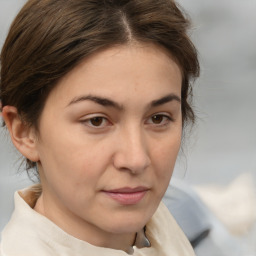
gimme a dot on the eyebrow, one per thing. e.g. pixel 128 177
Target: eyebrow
pixel 99 100
pixel 110 103
pixel 165 99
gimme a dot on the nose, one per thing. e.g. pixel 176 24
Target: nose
pixel 132 152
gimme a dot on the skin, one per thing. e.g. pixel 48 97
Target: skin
pixel 86 146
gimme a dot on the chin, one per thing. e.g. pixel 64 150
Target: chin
pixel 128 223
pixel 128 228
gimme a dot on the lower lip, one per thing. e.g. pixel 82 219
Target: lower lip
pixel 127 198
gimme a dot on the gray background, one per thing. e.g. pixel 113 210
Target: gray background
pixel 223 143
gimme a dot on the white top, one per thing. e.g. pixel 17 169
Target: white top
pixel 29 233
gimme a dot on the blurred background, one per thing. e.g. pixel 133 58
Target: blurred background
pixel 219 154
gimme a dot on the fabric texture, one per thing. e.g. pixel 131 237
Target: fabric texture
pixel 28 233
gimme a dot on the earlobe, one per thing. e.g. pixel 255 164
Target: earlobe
pixel 23 136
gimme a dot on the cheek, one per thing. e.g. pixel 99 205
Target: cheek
pixel 164 157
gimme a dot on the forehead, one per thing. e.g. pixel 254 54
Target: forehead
pixel 136 68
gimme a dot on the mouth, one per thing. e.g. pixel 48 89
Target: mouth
pixel 127 196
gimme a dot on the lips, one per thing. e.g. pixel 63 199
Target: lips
pixel 127 196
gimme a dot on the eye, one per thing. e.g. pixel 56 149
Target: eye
pixel 159 120
pixel 96 122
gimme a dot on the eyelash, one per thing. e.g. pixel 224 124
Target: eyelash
pixel 164 121
pixel 89 121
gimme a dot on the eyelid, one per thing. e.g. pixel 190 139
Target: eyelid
pixel 88 118
pixel 164 115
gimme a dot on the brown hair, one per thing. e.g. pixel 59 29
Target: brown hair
pixel 49 38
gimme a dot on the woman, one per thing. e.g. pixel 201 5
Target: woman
pixel 95 97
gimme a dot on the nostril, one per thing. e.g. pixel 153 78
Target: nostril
pixel 133 162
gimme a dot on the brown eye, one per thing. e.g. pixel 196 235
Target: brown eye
pixel 97 121
pixel 157 119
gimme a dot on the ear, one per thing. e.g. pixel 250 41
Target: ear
pixel 23 136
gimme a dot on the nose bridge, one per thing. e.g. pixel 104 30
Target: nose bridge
pixel 132 150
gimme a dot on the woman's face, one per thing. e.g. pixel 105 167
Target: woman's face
pixel 109 136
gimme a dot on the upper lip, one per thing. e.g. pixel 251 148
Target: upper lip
pixel 127 190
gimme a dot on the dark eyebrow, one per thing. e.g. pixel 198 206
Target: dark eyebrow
pixel 109 103
pixel 165 99
pixel 99 100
